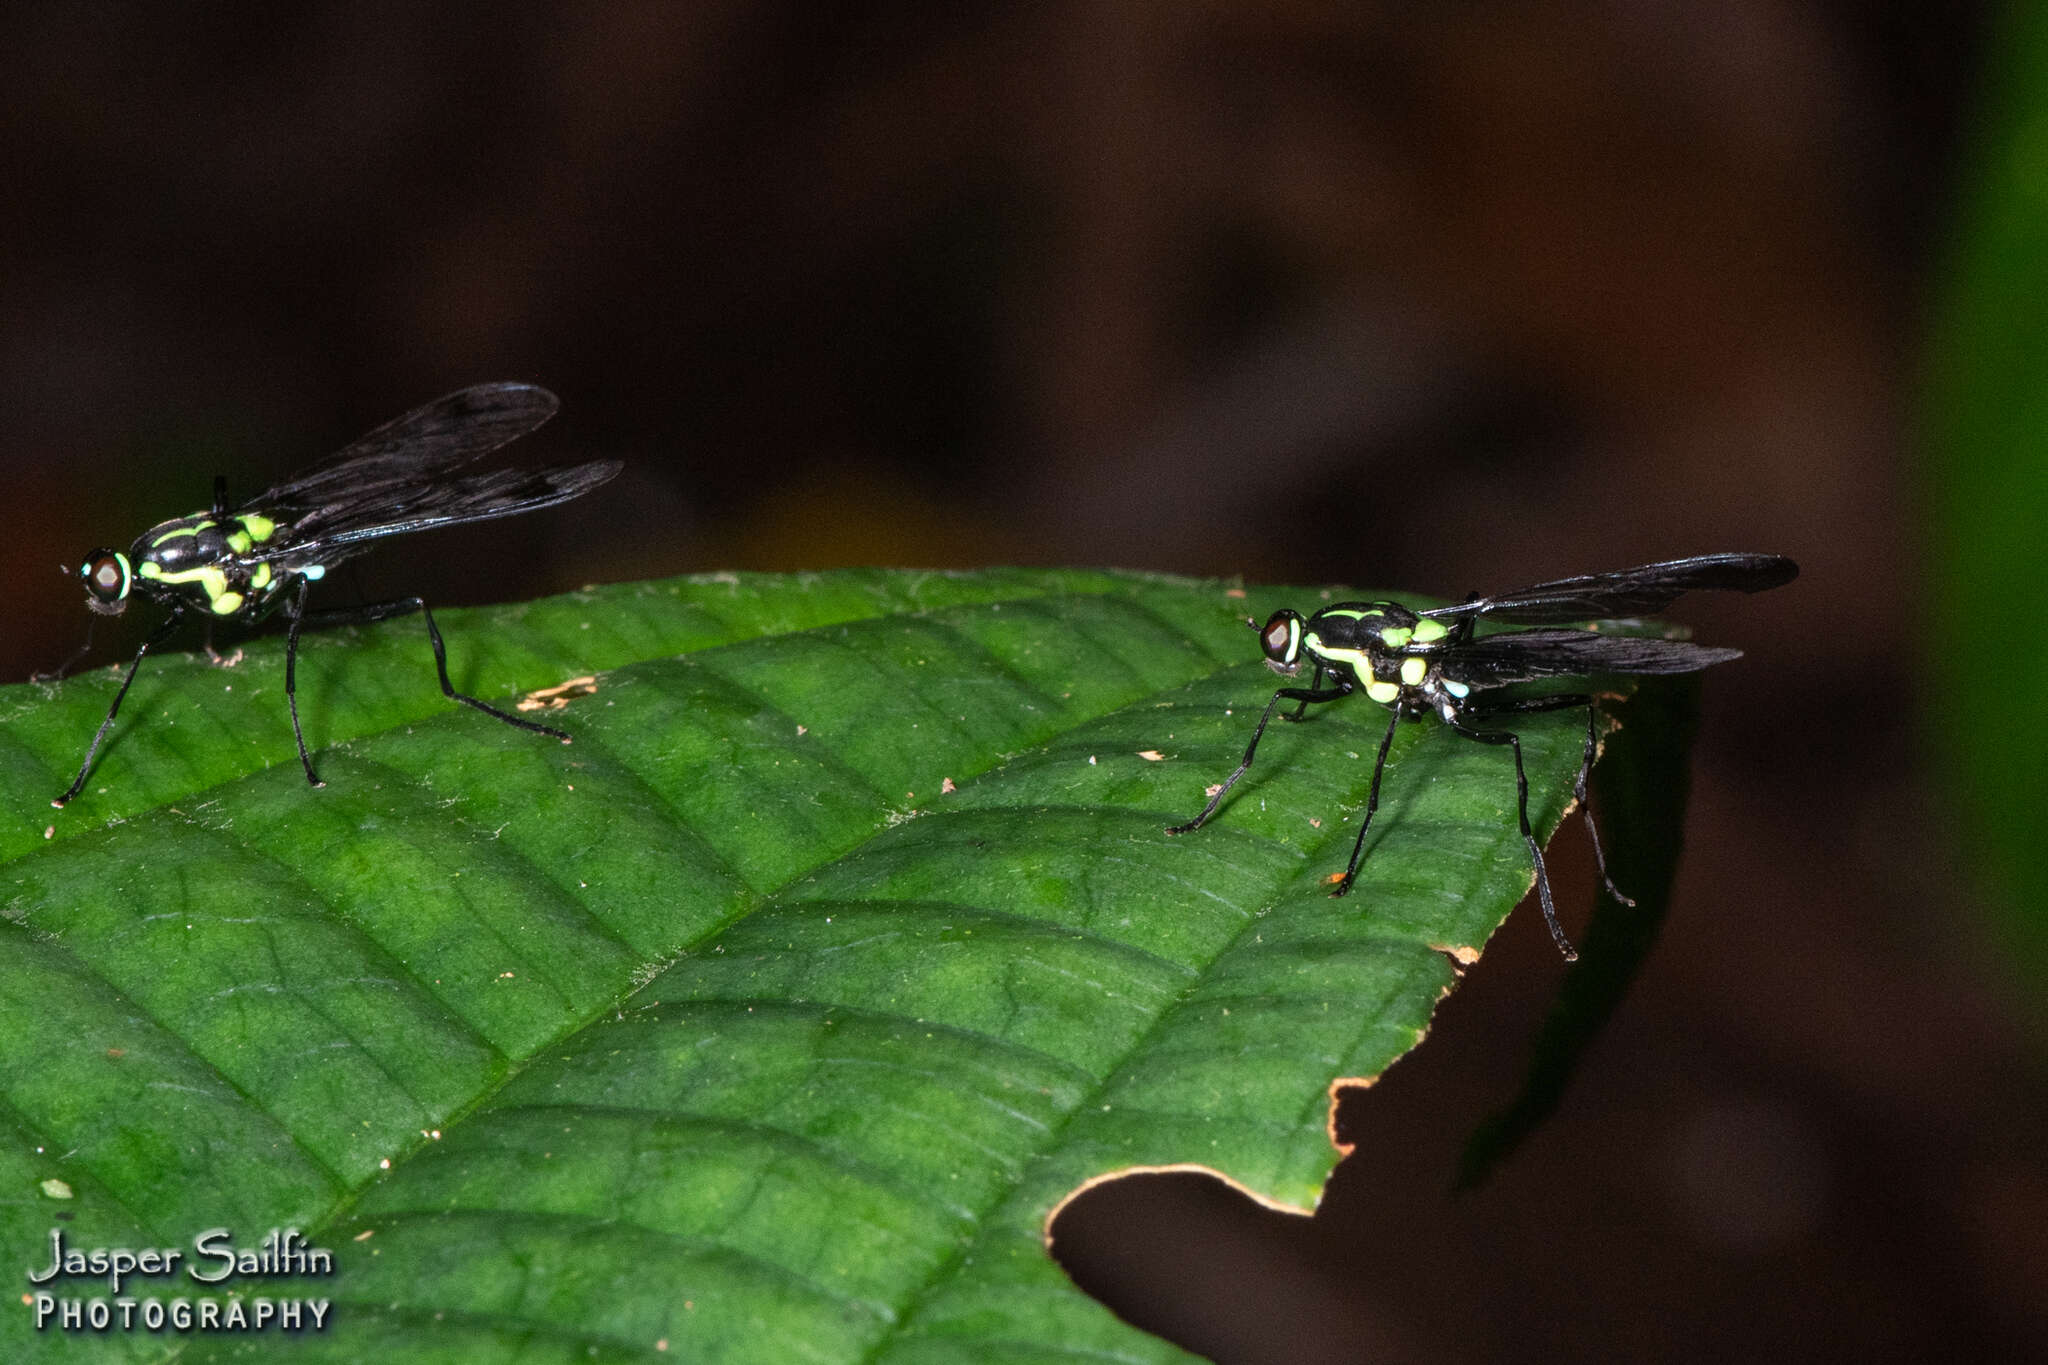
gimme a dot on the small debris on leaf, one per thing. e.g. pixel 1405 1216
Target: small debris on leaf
pixel 556 697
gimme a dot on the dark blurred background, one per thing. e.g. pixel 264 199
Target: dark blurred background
pixel 1432 297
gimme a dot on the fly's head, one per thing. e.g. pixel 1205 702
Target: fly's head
pixel 1280 641
pixel 107 577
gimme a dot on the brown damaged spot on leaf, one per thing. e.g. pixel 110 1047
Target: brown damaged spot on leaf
pixel 1461 955
pixel 1343 1083
pixel 556 697
pixel 1335 1091
pixel 1169 1168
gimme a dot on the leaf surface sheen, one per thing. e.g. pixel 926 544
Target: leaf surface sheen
pixel 726 1032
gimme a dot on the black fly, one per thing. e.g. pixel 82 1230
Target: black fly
pixel 244 564
pixel 1419 662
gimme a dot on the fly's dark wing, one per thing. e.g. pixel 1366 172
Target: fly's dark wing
pixel 391 509
pixel 397 458
pixel 1626 592
pixel 1523 655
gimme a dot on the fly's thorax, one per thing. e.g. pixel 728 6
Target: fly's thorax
pixel 177 545
pixel 201 562
pixel 1386 648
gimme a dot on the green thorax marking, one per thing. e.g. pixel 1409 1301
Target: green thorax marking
pixel 211 579
pixel 199 522
pixel 1354 659
pixel 1380 689
pixel 1423 632
pixel 253 528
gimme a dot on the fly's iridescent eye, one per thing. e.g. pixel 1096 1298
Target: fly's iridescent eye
pixel 1279 636
pixel 106 577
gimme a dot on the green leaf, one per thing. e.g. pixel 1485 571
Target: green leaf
pixel 769 1020
pixel 1985 422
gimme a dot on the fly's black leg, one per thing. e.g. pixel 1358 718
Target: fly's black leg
pixel 291 679
pixel 1527 705
pixel 1372 803
pixel 1586 803
pixel 156 637
pixel 406 606
pixel 1514 742
pixel 1314 683
pixel 220 500
pixel 214 656
pixel 1303 695
pixel 61 669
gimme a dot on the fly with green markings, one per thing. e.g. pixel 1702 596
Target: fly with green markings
pixel 1419 663
pixel 246 563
